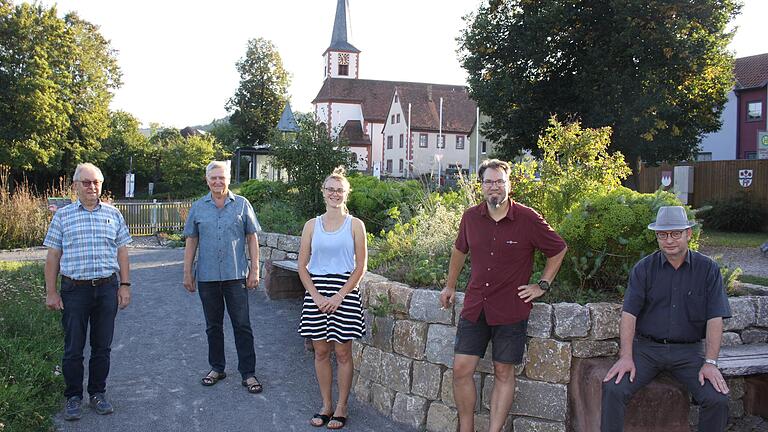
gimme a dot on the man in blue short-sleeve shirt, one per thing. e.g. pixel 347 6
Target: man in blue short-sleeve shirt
pixel 675 298
pixel 87 246
pixel 218 229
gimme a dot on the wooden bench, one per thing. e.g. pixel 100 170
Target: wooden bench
pixel 664 403
pixel 281 279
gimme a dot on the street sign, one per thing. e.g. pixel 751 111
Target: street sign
pixel 130 184
pixel 762 145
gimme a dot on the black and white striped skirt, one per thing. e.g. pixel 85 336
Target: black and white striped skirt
pixel 346 324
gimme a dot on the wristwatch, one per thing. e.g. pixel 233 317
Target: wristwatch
pixel 544 285
pixel 710 361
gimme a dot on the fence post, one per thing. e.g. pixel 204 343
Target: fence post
pixel 154 215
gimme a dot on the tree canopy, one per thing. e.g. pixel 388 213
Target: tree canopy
pixel 309 158
pixel 56 79
pixel 262 94
pixel 657 72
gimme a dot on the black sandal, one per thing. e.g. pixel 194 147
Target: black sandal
pixel 212 378
pixel 324 418
pixel 254 386
pixel 342 420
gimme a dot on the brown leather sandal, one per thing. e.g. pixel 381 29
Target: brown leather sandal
pixel 253 385
pixel 212 378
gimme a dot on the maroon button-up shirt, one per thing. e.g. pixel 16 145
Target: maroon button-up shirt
pixel 501 255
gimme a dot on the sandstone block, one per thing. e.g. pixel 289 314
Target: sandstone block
pixel 410 338
pixel 540 320
pixel 442 418
pixel 362 390
pixel 381 332
pixel 594 348
pixel 426 380
pixel 400 298
pixel 605 320
pixel 571 320
pixel 440 344
pixel 396 371
pixel 527 424
pixel 382 399
pixel 410 410
pixel 425 306
pixel 548 360
pixel 541 400
pixel 731 339
pixel 761 306
pixel 754 335
pixel 742 313
pixel 289 243
pixel 370 366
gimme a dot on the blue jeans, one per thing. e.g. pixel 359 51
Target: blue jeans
pixel 214 296
pixel 84 304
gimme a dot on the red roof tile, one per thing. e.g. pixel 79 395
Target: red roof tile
pixel 751 72
pixel 375 97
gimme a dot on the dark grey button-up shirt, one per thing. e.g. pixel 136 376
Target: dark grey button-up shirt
pixel 675 304
pixel 221 237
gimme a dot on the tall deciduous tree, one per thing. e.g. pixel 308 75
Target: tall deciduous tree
pixel 656 71
pixel 56 79
pixel 263 92
pixel 309 158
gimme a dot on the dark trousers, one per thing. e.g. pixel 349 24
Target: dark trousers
pixel 84 305
pixel 233 294
pixel 683 361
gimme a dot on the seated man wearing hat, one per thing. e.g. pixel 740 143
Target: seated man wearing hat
pixel 675 298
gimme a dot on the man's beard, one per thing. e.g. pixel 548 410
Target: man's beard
pixel 495 201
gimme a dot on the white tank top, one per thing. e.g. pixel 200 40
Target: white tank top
pixel 332 252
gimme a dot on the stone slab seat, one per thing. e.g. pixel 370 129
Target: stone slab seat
pixel 281 279
pixel 743 360
pixel 662 405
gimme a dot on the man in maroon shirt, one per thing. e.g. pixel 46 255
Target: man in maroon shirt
pixel 501 236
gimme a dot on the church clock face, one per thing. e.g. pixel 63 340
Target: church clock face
pixel 343 58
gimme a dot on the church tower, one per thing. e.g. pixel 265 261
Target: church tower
pixel 341 59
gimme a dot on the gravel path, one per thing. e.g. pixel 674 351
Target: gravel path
pixel 159 354
pixel 751 260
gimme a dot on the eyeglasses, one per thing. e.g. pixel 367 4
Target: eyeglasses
pixel 664 235
pixel 331 191
pixel 491 183
pixel 88 183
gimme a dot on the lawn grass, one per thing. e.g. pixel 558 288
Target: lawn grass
pixel 728 239
pixel 31 344
pixel 757 280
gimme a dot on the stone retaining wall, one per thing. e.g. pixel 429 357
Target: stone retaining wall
pixel 404 365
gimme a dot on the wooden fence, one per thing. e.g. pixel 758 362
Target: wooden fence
pixel 147 218
pixel 712 180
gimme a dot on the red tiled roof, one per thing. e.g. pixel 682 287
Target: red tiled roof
pixel 353 133
pixel 751 72
pixel 458 108
pixel 375 97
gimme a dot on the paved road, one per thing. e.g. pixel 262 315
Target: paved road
pixel 159 354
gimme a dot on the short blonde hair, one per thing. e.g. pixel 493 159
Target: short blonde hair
pixel 87 165
pixel 218 164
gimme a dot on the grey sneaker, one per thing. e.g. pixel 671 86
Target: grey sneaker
pixel 72 410
pixel 100 403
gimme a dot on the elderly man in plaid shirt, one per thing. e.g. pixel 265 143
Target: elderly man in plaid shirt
pixel 87 245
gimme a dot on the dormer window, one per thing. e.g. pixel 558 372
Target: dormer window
pixel 343 64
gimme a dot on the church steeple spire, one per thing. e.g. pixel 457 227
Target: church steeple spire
pixel 341 58
pixel 339 37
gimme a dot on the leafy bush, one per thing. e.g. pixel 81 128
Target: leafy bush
pixel 280 217
pixel 259 192
pixel 575 164
pixel 372 199
pixel 30 350
pixel 740 213
pixel 607 234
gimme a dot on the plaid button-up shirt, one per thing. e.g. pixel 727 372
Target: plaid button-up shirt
pixel 88 240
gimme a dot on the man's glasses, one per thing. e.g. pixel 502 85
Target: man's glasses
pixel 330 191
pixel 88 183
pixel 492 183
pixel 661 235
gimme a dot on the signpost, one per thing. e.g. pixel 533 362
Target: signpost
pixel 762 145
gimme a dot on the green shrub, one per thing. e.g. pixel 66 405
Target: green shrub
pixel 259 192
pixel 372 199
pixel 280 217
pixel 740 213
pixel 30 350
pixel 607 234
pixel 24 216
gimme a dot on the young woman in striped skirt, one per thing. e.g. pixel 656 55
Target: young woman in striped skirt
pixel 332 259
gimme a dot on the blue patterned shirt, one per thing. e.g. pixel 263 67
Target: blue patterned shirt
pixel 221 237
pixel 88 239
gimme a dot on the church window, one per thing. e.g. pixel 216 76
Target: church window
pixel 344 64
pixel 423 140
pixel 459 143
pixel 389 142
